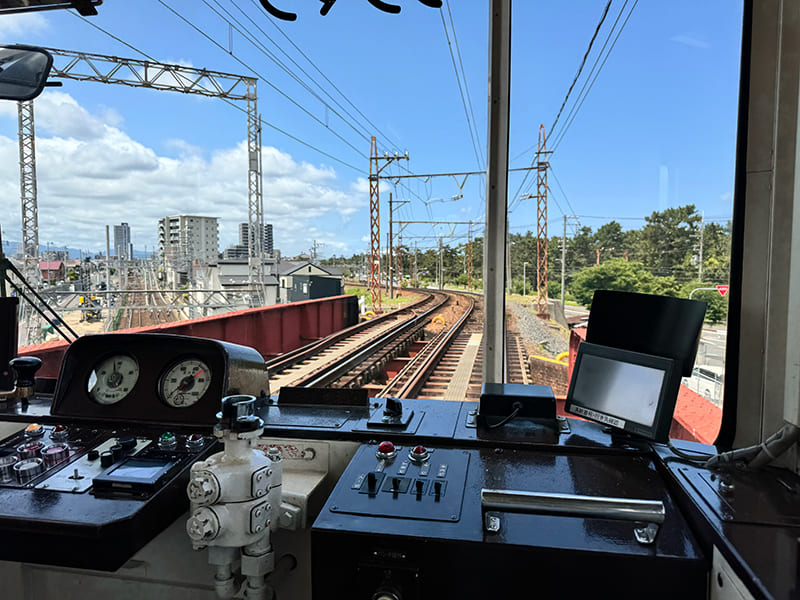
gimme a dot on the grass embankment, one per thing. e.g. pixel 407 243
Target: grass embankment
pixel 404 299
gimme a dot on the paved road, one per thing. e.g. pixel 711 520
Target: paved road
pixel 711 350
pixel 574 311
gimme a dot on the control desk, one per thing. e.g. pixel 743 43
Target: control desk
pixel 350 496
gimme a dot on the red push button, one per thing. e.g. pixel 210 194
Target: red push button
pixel 419 454
pixel 386 450
pixel 59 433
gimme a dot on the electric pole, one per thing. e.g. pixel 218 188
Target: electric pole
pixel 542 309
pixel 700 266
pixel 399 265
pixel 375 220
pixel 393 204
pixel 389 262
pixel 469 257
pixel 441 266
pixel 108 270
pixel 389 284
pixel 416 282
pixel 563 262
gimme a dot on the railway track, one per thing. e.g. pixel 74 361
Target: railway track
pixel 448 365
pixel 155 309
pixel 352 357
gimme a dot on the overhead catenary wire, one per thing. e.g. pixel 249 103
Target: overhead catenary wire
pixel 311 62
pixel 261 76
pixel 262 121
pixel 464 77
pixel 589 82
pixel 563 193
pixel 583 99
pixel 351 121
pixel 550 131
pixel 574 81
pixel 472 133
pixel 111 35
pixel 600 54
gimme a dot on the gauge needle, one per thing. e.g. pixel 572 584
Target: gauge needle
pixel 185 383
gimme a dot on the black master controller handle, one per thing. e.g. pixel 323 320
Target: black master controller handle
pixel 25 367
pixel 237 414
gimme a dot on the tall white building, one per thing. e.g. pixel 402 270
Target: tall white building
pixel 122 241
pixel 187 240
pixel 265 237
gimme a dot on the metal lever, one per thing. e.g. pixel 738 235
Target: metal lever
pixel 650 512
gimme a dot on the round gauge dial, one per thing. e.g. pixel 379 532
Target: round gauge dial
pixel 185 382
pixel 113 378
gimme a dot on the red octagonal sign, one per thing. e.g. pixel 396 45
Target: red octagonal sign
pixel 723 289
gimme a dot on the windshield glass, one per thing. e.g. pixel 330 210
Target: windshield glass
pixel 622 139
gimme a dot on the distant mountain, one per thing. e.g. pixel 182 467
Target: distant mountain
pixel 10 248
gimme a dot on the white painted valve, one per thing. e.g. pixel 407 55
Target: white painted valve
pixel 235 496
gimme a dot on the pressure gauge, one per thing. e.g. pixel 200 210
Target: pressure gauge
pixel 113 379
pixel 185 382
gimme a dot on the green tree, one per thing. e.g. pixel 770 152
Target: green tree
pixel 670 240
pixel 610 240
pixel 581 249
pixel 615 274
pixel 716 252
pixel 717 309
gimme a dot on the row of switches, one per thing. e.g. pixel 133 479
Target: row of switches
pixel 399 485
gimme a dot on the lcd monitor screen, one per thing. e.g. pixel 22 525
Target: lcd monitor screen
pixel 627 390
pixel 141 469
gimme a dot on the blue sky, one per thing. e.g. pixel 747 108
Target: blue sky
pixel 657 128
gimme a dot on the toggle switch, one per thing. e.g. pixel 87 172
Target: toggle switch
pixel 106 459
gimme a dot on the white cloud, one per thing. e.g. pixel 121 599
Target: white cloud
pixel 690 39
pixel 21 24
pixel 91 173
pixel 58 113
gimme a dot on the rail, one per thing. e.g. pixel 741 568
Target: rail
pixel 415 373
pixel 289 359
pixel 340 368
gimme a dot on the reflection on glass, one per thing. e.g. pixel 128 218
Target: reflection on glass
pixel 619 389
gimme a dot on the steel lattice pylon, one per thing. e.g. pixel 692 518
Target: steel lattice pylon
pixel 469 256
pixel 375 221
pixel 374 228
pixel 83 66
pixel 254 196
pixel 542 309
pixel 27 179
pixel 399 265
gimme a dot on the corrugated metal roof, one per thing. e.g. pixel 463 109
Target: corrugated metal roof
pixel 50 265
pixel 243 280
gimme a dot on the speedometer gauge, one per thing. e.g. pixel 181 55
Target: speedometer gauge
pixel 184 383
pixel 113 378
